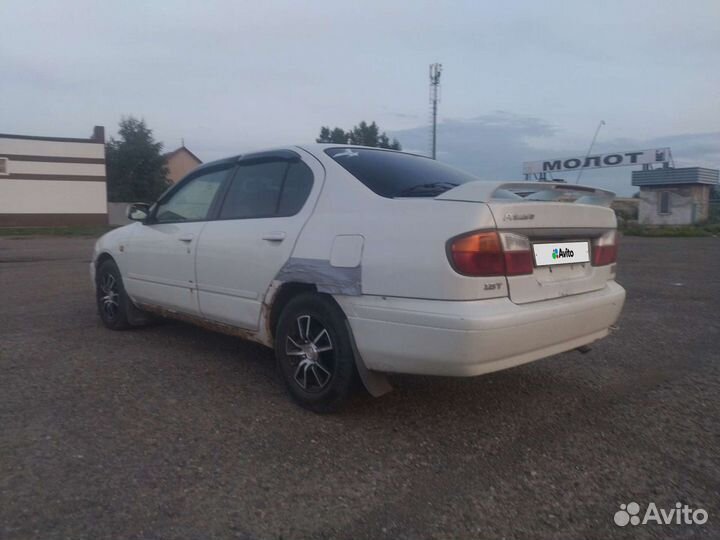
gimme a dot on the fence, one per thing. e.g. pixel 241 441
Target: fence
pixel 116 213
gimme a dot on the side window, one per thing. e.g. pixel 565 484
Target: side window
pixel 255 190
pixel 267 189
pixel 296 189
pixel 193 200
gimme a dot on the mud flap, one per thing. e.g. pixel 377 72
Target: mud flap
pixel 136 316
pixel 376 383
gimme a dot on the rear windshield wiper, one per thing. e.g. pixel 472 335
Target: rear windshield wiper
pixel 425 190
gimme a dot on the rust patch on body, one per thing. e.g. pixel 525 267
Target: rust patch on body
pixel 214 326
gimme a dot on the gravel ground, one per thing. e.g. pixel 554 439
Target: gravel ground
pixel 175 432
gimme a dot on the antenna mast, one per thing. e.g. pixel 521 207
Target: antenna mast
pixel 435 71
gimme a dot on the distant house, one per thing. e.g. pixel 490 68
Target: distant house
pixel 49 181
pixel 674 196
pixel 180 162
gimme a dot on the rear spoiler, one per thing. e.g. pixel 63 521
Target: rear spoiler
pixel 529 191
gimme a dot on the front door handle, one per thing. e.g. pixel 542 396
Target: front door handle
pixel 274 236
pixel 186 238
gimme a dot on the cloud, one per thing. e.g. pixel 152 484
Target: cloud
pixel 494 146
pixel 693 149
pixel 233 76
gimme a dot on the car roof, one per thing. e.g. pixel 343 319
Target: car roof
pixel 223 161
pixel 313 148
pixel 321 147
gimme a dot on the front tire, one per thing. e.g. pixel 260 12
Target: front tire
pixel 314 353
pixel 113 302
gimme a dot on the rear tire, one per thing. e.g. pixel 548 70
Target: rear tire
pixel 314 353
pixel 113 302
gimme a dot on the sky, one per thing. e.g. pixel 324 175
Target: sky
pixel 521 80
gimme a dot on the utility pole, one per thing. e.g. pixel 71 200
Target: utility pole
pixel 435 71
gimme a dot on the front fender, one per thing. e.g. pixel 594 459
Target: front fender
pixel 114 243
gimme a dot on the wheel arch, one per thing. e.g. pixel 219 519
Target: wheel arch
pixel 104 256
pixel 376 383
pixel 285 292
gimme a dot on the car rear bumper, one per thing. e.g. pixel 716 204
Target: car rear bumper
pixel 433 337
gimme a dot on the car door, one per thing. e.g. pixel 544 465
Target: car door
pixel 264 208
pixel 161 254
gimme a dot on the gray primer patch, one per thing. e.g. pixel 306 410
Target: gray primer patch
pixel 328 279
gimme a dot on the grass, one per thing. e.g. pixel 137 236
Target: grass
pixel 93 230
pixel 684 231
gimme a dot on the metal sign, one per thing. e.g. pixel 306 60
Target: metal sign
pixel 598 161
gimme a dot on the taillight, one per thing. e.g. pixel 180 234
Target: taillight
pixel 478 254
pixel 605 249
pixel 491 254
pixel 518 257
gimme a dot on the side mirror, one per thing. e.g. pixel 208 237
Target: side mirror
pixel 137 211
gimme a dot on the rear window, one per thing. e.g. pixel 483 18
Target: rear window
pixel 395 174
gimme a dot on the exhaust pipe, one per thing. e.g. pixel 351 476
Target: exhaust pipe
pixel 584 349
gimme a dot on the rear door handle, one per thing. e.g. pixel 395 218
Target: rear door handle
pixel 274 236
pixel 186 238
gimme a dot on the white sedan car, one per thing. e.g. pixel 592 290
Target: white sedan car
pixel 351 261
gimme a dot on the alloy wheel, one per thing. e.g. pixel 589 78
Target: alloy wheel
pixel 109 296
pixel 310 352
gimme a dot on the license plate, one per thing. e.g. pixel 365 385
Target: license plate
pixel 561 253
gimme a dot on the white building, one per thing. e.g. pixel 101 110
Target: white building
pixel 49 181
pixel 674 196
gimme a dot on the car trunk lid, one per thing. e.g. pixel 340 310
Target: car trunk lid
pixel 561 222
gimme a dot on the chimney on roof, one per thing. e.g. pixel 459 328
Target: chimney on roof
pixel 98 134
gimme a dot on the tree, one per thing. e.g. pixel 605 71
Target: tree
pixel 363 134
pixel 336 136
pixel 136 168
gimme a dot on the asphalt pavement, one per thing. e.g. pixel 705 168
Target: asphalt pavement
pixel 172 431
